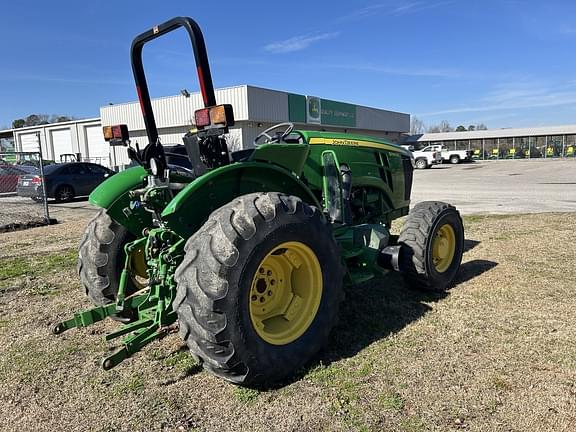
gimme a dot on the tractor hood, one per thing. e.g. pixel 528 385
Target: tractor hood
pixel 351 140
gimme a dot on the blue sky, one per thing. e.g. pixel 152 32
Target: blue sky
pixel 504 63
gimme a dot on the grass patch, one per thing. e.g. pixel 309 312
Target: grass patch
pixel 44 289
pixel 391 401
pixel 325 374
pixel 133 384
pixel 37 265
pixel 246 395
pixel 495 351
pixel 500 383
pixel 182 361
pixel 413 424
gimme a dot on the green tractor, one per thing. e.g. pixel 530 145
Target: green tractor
pixel 247 253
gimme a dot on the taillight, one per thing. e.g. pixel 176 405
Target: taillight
pixel 36 180
pixel 434 155
pixel 202 117
pixel 219 116
pixel 116 132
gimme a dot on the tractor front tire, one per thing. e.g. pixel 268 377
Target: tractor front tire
pixel 101 259
pixel 431 245
pixel 259 289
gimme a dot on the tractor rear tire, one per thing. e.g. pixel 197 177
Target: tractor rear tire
pixel 226 282
pixel 101 259
pixel 432 244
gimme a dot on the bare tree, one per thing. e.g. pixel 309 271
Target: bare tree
pixel 444 126
pixel 481 126
pixel 417 126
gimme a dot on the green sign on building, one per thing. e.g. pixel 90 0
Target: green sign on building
pixel 302 109
pixel 296 108
pixel 338 113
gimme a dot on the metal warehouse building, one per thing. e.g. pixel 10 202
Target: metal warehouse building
pixel 525 143
pixel 255 109
pixel 55 139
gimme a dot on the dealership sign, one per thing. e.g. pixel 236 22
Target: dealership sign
pixel 311 109
pixel 338 113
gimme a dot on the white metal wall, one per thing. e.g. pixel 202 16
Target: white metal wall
pixel 174 111
pixel 58 138
pixel 97 150
pixel 61 141
pixel 29 142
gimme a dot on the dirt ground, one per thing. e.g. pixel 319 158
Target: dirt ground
pixel 496 353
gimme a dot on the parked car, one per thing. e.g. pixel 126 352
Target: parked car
pixel 452 156
pixel 425 158
pixel 9 177
pixel 28 169
pixel 64 181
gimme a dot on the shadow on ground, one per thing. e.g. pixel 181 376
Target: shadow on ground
pixel 384 306
pixel 470 244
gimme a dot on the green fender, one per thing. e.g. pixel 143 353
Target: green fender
pixel 113 195
pixel 188 211
pixel 116 186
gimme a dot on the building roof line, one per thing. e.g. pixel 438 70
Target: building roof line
pixel 87 120
pixel 499 133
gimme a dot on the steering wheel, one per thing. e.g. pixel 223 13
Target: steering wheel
pixel 277 137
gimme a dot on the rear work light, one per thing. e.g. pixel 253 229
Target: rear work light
pixel 117 133
pixel 216 117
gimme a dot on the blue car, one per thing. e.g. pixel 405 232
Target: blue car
pixel 63 181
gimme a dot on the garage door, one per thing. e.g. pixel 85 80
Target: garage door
pixel 29 142
pixel 61 142
pixel 98 149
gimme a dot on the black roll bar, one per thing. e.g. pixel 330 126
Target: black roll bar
pixel 202 67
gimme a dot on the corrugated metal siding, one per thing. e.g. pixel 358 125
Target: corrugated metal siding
pixel 267 105
pixel 78 136
pixel 377 119
pixel 174 111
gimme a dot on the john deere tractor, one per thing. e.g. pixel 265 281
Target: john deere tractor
pixel 247 253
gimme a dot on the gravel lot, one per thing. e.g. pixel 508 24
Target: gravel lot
pixel 15 209
pixel 521 186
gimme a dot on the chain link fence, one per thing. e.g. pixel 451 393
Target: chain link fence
pixel 23 200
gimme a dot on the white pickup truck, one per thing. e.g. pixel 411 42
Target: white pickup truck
pixel 425 158
pixel 452 156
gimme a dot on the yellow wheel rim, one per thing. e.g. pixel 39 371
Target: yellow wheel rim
pixel 285 293
pixel 443 248
pixel 138 267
